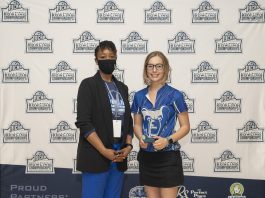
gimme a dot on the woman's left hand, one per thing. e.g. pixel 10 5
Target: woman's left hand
pixel 160 143
pixel 122 154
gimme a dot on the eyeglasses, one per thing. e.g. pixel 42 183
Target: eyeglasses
pixel 150 67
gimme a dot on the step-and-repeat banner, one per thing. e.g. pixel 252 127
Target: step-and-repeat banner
pixel 216 53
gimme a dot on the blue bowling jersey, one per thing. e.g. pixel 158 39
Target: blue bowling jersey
pixel 159 120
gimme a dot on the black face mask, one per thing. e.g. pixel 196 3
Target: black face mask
pixel 107 66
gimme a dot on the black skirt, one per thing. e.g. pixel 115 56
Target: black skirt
pixel 160 169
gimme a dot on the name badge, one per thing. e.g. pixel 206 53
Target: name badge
pixel 116 128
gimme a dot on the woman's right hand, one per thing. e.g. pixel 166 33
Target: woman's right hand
pixel 109 154
pixel 142 144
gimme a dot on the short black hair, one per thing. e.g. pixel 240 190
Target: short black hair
pixel 105 45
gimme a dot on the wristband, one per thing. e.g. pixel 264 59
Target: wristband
pixel 128 144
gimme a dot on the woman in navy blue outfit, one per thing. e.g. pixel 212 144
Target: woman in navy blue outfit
pixel 104 119
pixel 156 109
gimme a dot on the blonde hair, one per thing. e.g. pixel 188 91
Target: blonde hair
pixel 165 66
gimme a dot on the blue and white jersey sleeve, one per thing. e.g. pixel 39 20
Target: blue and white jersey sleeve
pixel 135 108
pixel 179 103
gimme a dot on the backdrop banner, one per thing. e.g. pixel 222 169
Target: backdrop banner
pixel 216 53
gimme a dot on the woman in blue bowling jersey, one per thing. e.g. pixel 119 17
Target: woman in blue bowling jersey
pixel 104 119
pixel 156 110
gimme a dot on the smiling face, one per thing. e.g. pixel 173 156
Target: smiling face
pixel 155 70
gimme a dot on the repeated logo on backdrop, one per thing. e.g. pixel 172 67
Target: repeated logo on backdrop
pixel 38 43
pixel 15 73
pixel 252 13
pixel 62 13
pixel 14 12
pixel 205 14
pixel 110 13
pixel 62 73
pixel 16 133
pixel 250 133
pixel 39 164
pixel 86 43
pixel 39 103
pixel 227 162
pixel 251 73
pixel 63 133
pixel 158 13
pixel 134 44
pixel 205 74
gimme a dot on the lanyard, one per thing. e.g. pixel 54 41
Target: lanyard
pixel 113 99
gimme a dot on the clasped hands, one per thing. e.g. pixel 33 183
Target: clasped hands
pixel 117 156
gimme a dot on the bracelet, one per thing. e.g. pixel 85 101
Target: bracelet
pixel 128 144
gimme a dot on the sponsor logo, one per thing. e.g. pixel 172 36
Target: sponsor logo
pixel 63 134
pixel 62 74
pixel 181 44
pixel 134 44
pixel 205 74
pixel 250 133
pixel 204 133
pixel 75 171
pixel 157 14
pixel 187 162
pixel 228 44
pixel 228 104
pixel 137 192
pixel 110 13
pixel 251 73
pixel 189 103
pixel 252 13
pixel 184 193
pixel 75 105
pixel 16 133
pixel 15 73
pixel 133 165
pixel 39 103
pixel 227 163
pixel 85 43
pixel 205 14
pixel 62 13
pixel 38 43
pixel 237 190
pixel 131 96
pixel 14 12
pixel 118 73
pixel 39 163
